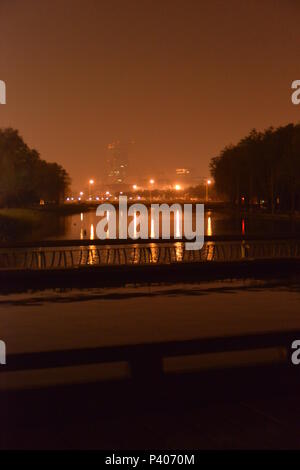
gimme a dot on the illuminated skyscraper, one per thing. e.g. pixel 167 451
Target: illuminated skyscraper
pixel 117 163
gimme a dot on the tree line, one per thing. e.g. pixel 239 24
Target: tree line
pixel 263 166
pixel 24 177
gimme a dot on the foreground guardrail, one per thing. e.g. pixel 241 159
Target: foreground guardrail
pixel 146 360
pixel 144 254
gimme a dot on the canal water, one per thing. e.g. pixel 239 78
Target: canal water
pixel 79 318
pixel 66 319
pixel 83 225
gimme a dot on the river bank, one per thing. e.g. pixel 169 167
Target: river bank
pixel 28 223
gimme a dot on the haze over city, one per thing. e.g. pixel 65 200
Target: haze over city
pixel 180 79
pixel 150 230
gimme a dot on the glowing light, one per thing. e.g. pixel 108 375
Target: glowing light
pixel 107 193
pixel 179 251
pixel 134 186
pixel 81 216
pixel 177 187
pixel 91 182
pixel 209 227
pixel 81 193
pixel 92 232
pixel 208 183
pixel 151 181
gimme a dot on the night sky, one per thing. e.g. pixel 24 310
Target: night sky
pixel 182 78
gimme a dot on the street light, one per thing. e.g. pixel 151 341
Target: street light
pixel 177 187
pixel 134 186
pixel 208 183
pixel 91 182
pixel 151 183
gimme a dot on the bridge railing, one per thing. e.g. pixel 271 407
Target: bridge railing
pixel 152 354
pixel 40 258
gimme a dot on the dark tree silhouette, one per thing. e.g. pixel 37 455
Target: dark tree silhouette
pixel 24 177
pixel 262 166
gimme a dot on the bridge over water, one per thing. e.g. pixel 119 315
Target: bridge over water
pixel 70 254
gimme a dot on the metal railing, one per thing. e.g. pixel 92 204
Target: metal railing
pixel 56 257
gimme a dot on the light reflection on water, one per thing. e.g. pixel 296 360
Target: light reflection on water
pixel 134 254
pixel 92 234
pixel 78 226
pixel 209 226
pixel 177 226
pixel 92 256
pixel 89 221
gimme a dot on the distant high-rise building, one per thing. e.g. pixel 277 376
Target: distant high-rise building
pixel 117 162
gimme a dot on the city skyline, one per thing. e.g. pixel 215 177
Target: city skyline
pixel 181 79
pixel 150 228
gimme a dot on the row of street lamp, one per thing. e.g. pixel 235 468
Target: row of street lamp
pixel 177 187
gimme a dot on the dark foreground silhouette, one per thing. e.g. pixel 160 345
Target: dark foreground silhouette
pixel 250 406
